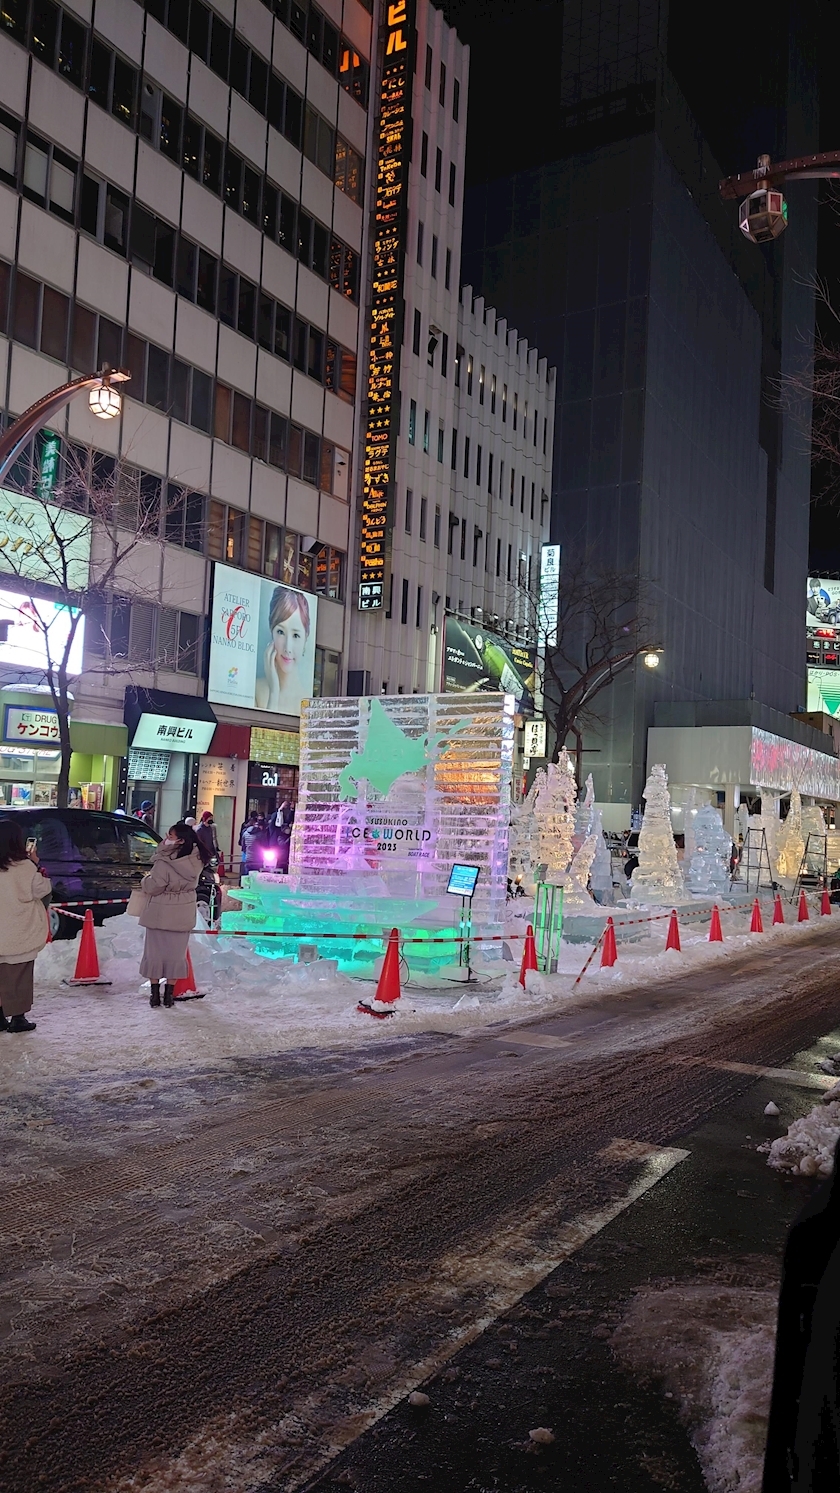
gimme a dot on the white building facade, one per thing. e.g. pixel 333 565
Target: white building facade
pixel 455 469
pixel 181 193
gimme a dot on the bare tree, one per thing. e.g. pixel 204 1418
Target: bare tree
pixel 99 508
pixel 604 623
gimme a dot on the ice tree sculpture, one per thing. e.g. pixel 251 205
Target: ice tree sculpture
pixel 554 807
pixel 708 871
pixel 583 813
pixel 657 878
pixel 790 845
pixel 524 835
pixel 690 808
pixel 600 872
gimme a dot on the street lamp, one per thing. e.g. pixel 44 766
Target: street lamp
pixel 763 213
pixel 104 401
pixel 651 660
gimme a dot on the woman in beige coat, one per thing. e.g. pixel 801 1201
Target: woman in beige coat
pixel 169 915
pixel 23 925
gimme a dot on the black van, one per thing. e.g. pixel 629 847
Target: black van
pixel 88 856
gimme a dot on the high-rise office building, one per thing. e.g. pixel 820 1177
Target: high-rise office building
pixel 457 451
pixel 608 245
pixel 182 191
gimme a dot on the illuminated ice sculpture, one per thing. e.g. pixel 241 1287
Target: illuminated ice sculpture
pixel 393 790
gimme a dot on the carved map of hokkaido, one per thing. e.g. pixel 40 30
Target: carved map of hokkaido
pixel 388 753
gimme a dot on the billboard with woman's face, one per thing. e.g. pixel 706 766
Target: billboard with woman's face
pixel 262 643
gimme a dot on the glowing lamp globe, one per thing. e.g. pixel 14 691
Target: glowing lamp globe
pixel 105 402
pixel 651 660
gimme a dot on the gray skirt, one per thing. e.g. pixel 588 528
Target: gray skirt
pixel 164 955
pixel 16 988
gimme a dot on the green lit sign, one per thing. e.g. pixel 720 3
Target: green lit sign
pixel 48 470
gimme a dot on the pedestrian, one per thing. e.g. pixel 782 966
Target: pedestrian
pixel 803 1430
pixel 206 834
pixel 24 924
pixel 190 821
pixel 169 914
pixel 146 812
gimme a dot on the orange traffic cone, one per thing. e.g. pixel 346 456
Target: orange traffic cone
pixel 802 915
pixel 87 961
pixel 388 989
pixel 49 928
pixel 778 910
pixel 529 956
pixel 715 930
pixel 609 952
pixel 187 981
pixel 756 925
pixel 825 904
pixel 673 939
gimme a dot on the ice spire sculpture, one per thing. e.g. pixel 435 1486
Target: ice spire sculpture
pixel 576 895
pixel 657 878
pixel 554 808
pixel 790 843
pixel 708 871
pixel 525 835
pixel 600 872
pixel 583 813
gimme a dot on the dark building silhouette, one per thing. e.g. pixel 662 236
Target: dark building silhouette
pixel 593 217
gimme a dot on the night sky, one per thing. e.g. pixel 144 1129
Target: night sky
pixel 727 60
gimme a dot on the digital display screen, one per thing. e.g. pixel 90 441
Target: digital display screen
pixel 462 880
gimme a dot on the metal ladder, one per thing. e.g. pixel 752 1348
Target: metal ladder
pixel 805 877
pixel 754 861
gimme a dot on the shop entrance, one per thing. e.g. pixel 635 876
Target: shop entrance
pixel 269 784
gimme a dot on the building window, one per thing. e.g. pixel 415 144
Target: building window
pixel 459 353
pixel 453 524
pixel 469 373
pixel 545 435
pixel 493 394
pixel 440 441
pixel 466 456
pixel 419 243
pixel 454 460
pixel 434 255
pixel 436 535
pixel 509 560
pixel 481 384
pixel 428 77
pixel 427 430
pixel 452 183
pixel 438 168
pixel 404 602
pixel 412 422
pixel 498 557
pixel 442 85
pixel 504 404
pixel 512 484
pixel 448 271
pixel 456 99
pixel 444 355
pixel 463 547
pixel 478 465
pixel 415 341
pixel 409 500
pixel 476 542
pixel 515 407
pixel 490 472
pixel 418 611
pixel 424 508
pixel 424 155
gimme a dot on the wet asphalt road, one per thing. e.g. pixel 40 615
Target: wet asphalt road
pixel 231 1308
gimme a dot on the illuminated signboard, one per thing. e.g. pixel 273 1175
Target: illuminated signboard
pixel 393 144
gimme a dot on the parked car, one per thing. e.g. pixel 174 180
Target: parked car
pixel 88 856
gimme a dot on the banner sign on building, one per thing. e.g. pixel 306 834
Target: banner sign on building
pixel 34 633
pixel 534 739
pixel 482 662
pixel 35 727
pixel 823 605
pixel 549 593
pixel 824 691
pixel 262 643
pixel 37 540
pixel 385 328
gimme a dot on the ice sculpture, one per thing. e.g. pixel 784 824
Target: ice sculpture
pixel 657 878
pixel 576 896
pixel 524 836
pixel 583 813
pixel 554 808
pixel 600 872
pixel 708 871
pixel 790 844
pixel 690 808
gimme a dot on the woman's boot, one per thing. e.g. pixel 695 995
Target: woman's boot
pixel 169 994
pixel 20 1024
pixel 4 1025
pixel 154 998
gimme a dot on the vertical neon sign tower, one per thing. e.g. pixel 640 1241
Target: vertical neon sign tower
pixel 390 212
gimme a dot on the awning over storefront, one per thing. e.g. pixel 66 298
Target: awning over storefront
pixel 159 720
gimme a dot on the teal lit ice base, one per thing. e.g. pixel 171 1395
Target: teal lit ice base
pixel 273 906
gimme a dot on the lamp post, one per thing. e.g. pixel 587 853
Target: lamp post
pixel 104 400
pixel 588 687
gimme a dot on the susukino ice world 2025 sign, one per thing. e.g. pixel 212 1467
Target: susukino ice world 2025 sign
pixel 387 312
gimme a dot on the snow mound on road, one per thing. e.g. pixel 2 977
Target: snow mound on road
pixel 712 1348
pixel 808 1148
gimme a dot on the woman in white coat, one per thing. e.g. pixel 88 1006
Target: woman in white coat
pixel 24 925
pixel 169 914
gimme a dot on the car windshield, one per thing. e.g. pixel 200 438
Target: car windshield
pixel 136 842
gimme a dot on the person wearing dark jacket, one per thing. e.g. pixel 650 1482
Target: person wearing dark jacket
pixel 803 1430
pixel 206 834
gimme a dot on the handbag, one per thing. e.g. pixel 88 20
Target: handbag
pixel 137 902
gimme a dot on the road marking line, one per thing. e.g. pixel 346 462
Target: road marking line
pixel 509 1266
pixel 785 1075
pixel 534 1039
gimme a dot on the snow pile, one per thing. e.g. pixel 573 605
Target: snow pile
pixel 712 1348
pixel 808 1148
